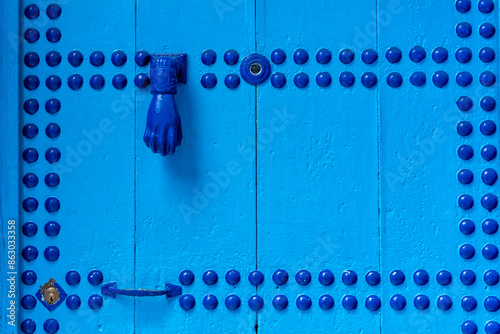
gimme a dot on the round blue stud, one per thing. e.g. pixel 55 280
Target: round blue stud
pixel 394 79
pixel 29 253
pixel 231 57
pixel 326 302
pixel 31 82
pixel 490 226
pixel 463 6
pixel 95 277
pixel 53 82
pixel 463 55
pixel 465 152
pixel 468 327
pixel 51 253
pixel 142 80
pixel 278 56
pixel 30 131
pixel 31 35
pixel 280 302
pixel 491 304
pixel 73 278
pixel 52 179
pixel 323 56
pixel 489 176
pixel 52 228
pixel 30 155
pixel 52 155
pixel 417 54
pixel 490 252
pixel 421 302
pixel 369 79
pixel 75 81
pixel 491 277
pixel 372 278
pixel 232 81
pixel 30 204
pixel 28 277
pixel 397 277
pixel 31 106
pixel 469 303
pixel 444 302
pixel 488 103
pixel 440 79
pixel 187 302
pixel 186 277
pixel 373 303
pixel 232 302
pixel 208 57
pixel 31 59
pixel 487 78
pixel 210 302
pixel 485 6
pixel 440 55
pixel 465 176
pixel 278 80
pixel 73 302
pixel 280 277
pixel 346 79
pixel 255 303
pixel 119 81
pixel 210 277
pixel 300 56
pixel 53 11
pixel 118 58
pixel 256 278
pixel 75 58
pixel 31 12
pixel 142 58
pixel 486 55
pixel 53 106
pixel 464 128
pixel 28 302
pixel 463 29
pixel 233 277
pixel 29 229
pixel 467 226
pixel 96 58
pixel 421 277
pixel 467 251
pixel 492 327
pixel 303 277
pixel 464 79
pixel 349 277
pixel 487 127
pixel 323 79
pixel 369 56
pixel 487 30
pixel 349 302
pixel 326 277
pixel 95 301
pixel 418 79
pixel 97 81
pixel 393 55
pixel 52 204
pixel 398 302
pixel 488 152
pixel 301 80
pixel 208 80
pixel 51 326
pixel 346 56
pixel 444 277
pixel 303 302
pixel 53 35
pixel 464 103
pixel 467 277
pixel 53 58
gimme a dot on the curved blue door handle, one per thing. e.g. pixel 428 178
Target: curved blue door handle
pixel 163 126
pixel 111 289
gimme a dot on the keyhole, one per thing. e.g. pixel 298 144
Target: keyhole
pixel 51 298
pixel 255 68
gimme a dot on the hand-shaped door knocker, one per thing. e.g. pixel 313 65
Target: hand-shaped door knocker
pixel 163 126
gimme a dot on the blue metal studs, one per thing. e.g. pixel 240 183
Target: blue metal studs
pixel 96 58
pixel 300 56
pixel 469 303
pixel 397 277
pixel 208 57
pixel 368 79
pixel 75 58
pixel 97 81
pixel 398 302
pixel 31 35
pixel 28 277
pixel 31 106
pixel 464 79
pixel 303 277
pixel 326 302
pixel 51 253
pixel 52 155
pixel 31 82
pixel 119 81
pixel 280 302
pixel 30 204
pixel 487 127
pixel 30 131
pixel 30 155
pixel 231 57
pixel 421 302
pixel 28 302
pixel 418 79
pixel 210 277
pixel 75 81
pixel 465 176
pixel 95 301
pixel 417 54
pixel 256 278
pixel 393 55
pixel 488 103
pixel 440 55
pixel 467 277
pixel 52 179
pixel 463 29
pixel 280 277
pixel 278 56
pixel 73 278
pixel 349 302
pixel 346 79
pixel 232 277
pixel 52 204
pixel 421 277
pixel 467 226
pixel 232 81
pixel 394 79
pixel 31 59
pixel 29 253
pixel 465 152
pixel 278 80
pixel 255 303
pixel 485 6
pixel 486 55
pixel 53 106
pixel 303 302
pixel 467 251
pixel 369 56
pixel 490 226
pixel 118 58
pixel 463 6
pixel 53 11
pixel 53 58
pixel 301 80
pixel 95 277
pixel 232 302
pixel 488 152
pixel 323 56
pixel 52 228
pixel 487 30
pixel 468 327
pixel 373 303
pixel 142 58
pixel 53 35
pixel 440 79
pixel 51 326
pixel 53 82
pixel 255 69
pixel 187 302
pixel 492 327
pixel 464 128
pixel 444 302
pixel 464 103
pixel 208 80
pixel 323 79
pixel 210 302
pixel 372 278
pixel 490 252
pixel 73 302
pixel 463 55
pixel 326 277
pixel 29 229
pixel 349 277
pixel 32 11
pixel 142 80
pixel 491 304
pixel 346 56
pixel 186 277
pixel 487 78
pixel 489 176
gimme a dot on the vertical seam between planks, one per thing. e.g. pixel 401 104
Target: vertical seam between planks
pixel 135 167
pixel 379 162
pixel 256 170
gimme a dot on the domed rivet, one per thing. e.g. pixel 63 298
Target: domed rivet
pixel 372 278
pixel 468 327
pixel 52 155
pixel 489 176
pixel 210 302
pixel 346 79
pixel 397 277
pixel 469 303
pixel 465 176
pixel 465 152
pixel 323 56
pixel 73 278
pixel 492 327
pixel 487 79
pixel 303 277
pixel 52 204
pixel 301 80
pixel 53 11
pixel 232 277
pixel 232 81
pixel 349 302
pixel 231 57
pixel 326 302
pixel 487 127
pixel 142 58
pixel 278 56
pixel 97 81
pixel 208 80
pixel 486 55
pixel 53 106
pixel 31 82
pixel 256 278
pixel 421 277
pixel 75 81
pixel 31 59
pixel 232 302
pixel 467 226
pixel 51 253
pixel 53 58
pixel 210 277
pixel 488 103
pixel 464 79
pixel 186 277
pixel 369 79
pixel 142 80
pixel 96 58
pixel 118 58
pixel 488 152
pixel 303 302
pixel 463 6
pixel 349 277
pixel 490 252
pixel 29 229
pixel 208 57
pixel 440 55
pixel 444 277
pixel 463 55
pixel 255 303
pixel 73 302
pixel 323 79
pixel 467 277
pixel 51 326
pixel 418 79
pixel 373 303
pixel 95 277
pixel 393 55
pixel 278 80
pixel 369 56
pixel 326 277
pixel 29 253
pixel 464 128
pixel 30 204
pixel 119 81
pixel 52 228
pixel 31 35
pixel 280 302
pixel 417 54
pixel 300 56
pixel 280 277
pixel 444 302
pixel 30 155
pixel 485 6
pixel 31 106
pixel 487 30
pixel 52 179
pixel 421 302
pixel 467 251
pixel 28 277
pixel 53 82
pixel 398 302
pixel 463 29
pixel 440 79
pixel 75 58
pixel 394 79
pixel 491 304
pixel 32 12
pixel 187 302
pixel 95 302
pixel 490 226
pixel 491 277
pixel 30 131
pixel 53 35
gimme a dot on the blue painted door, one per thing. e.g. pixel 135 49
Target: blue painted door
pixel 337 170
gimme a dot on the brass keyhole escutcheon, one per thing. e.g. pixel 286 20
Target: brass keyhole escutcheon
pixel 50 293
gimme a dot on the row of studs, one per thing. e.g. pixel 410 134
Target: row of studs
pixel 484 6
pixel 75 58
